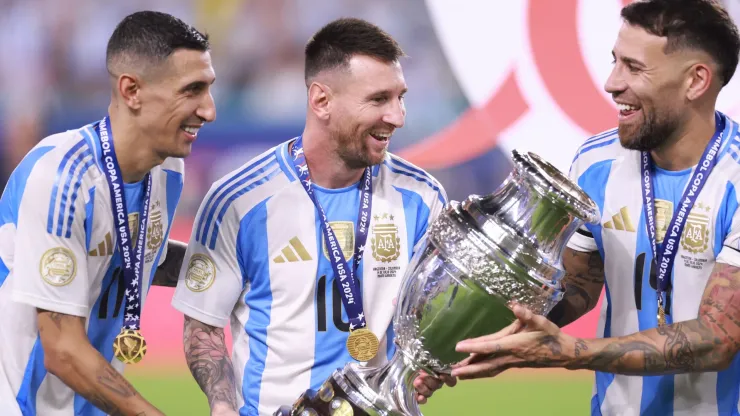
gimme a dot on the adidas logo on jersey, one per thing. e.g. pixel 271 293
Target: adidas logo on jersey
pixel 621 221
pixel 294 251
pixel 105 248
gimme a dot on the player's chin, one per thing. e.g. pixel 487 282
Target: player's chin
pixel 182 151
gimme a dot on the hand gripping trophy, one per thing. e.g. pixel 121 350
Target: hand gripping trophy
pixel 479 257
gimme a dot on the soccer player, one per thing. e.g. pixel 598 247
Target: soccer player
pixel 306 244
pixel 668 246
pixel 84 226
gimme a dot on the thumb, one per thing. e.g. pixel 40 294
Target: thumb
pixel 523 314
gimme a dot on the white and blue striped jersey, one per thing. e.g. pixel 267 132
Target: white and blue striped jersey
pixel 58 252
pixel 257 256
pixel 611 176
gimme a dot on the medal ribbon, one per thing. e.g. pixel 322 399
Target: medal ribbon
pixel 133 263
pixel 678 221
pixel 348 285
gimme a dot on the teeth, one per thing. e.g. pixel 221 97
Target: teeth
pixel 625 107
pixel 381 135
pixel 192 130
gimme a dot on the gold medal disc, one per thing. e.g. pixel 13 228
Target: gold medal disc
pixel 129 346
pixel 362 344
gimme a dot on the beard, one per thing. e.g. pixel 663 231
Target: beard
pixel 654 132
pixel 354 152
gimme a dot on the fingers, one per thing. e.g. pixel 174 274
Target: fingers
pixel 484 369
pixel 511 329
pixel 449 380
pixel 425 384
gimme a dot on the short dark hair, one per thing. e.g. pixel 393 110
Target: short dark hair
pixel 334 44
pixel 153 36
pixel 696 24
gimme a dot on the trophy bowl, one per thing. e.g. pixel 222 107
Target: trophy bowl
pixel 479 257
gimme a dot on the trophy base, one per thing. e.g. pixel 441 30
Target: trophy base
pixel 362 391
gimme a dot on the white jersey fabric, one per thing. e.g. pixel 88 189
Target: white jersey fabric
pixel 58 252
pixel 257 260
pixel 611 176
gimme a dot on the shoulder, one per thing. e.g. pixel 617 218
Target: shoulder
pixel 174 165
pixel 405 174
pixel 234 195
pixel 597 150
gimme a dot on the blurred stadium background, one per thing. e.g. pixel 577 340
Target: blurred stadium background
pixel 485 77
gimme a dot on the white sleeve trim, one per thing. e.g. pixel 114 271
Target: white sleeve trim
pixel 199 315
pixel 580 242
pixel 51 305
pixel 729 256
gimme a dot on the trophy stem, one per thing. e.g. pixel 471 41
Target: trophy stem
pixel 389 387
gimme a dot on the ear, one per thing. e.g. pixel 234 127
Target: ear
pixel 319 99
pixel 700 80
pixel 129 87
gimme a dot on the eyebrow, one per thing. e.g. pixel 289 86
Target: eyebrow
pixel 627 60
pixel 386 92
pixel 197 84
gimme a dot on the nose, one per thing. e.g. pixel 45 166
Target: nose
pixel 207 110
pixel 396 114
pixel 615 84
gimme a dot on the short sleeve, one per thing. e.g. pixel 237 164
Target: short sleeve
pixel 50 259
pixel 210 280
pixel 582 240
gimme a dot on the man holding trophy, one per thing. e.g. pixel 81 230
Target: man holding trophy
pixel 305 246
pixel 668 245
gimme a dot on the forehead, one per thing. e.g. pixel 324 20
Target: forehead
pixel 371 74
pixel 637 43
pixel 186 65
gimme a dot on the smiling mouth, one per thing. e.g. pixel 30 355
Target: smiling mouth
pixel 626 110
pixel 383 137
pixel 193 131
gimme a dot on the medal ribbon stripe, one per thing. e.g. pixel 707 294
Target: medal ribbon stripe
pixel 664 260
pixel 344 275
pixel 133 258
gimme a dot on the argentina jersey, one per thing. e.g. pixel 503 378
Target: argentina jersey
pixel 611 175
pixel 58 252
pixel 257 259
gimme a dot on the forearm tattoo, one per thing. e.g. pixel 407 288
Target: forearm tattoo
pixel 209 362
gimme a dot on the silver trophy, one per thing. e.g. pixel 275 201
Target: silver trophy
pixel 479 257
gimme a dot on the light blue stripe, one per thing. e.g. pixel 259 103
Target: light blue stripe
pixel 418 178
pixel 396 161
pixel 217 224
pixel 586 149
pixel 10 201
pixel 68 183
pixel 32 377
pixel 57 181
pixel 252 245
pixel 89 217
pixel 3 272
pixel 599 136
pixel 593 181
pixel 217 196
pixel 78 184
pixel 174 192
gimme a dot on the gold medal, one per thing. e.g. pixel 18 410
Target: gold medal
pixel 362 344
pixel 129 346
pixel 661 315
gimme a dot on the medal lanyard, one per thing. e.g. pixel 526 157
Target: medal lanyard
pixel 348 284
pixel 665 258
pixel 133 262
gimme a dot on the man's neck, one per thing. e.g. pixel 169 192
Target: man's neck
pixel 685 150
pixel 133 150
pixel 327 169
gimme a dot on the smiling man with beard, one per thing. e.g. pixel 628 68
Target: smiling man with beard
pixel 304 247
pixel 668 247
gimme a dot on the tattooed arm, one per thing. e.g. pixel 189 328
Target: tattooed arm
pixel 169 270
pixel 69 356
pixel 584 279
pixel 707 343
pixel 209 362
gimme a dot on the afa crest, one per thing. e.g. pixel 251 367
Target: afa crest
pixel 695 238
pixel 385 242
pixel 154 232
